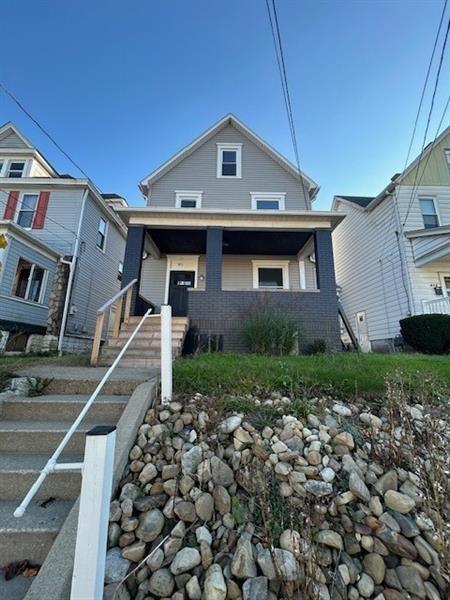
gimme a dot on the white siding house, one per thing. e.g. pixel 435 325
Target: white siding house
pixel 392 251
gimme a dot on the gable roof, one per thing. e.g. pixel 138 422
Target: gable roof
pixel 361 201
pixel 9 128
pixel 229 119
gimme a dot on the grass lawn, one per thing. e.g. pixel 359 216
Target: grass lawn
pixel 348 374
pixel 11 363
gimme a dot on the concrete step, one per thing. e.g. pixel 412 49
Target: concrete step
pixel 148 335
pixel 135 362
pixel 139 352
pixel 157 319
pixel 19 471
pixel 144 342
pixel 63 408
pixel 42 436
pixel 31 536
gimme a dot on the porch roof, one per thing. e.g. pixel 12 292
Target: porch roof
pixel 183 218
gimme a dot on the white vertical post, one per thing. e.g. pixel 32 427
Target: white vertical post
pixel 90 550
pixel 166 353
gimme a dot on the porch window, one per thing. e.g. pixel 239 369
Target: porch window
pixel 267 201
pixel 229 160
pixel 429 213
pixel 188 199
pixel 271 274
pixel 27 210
pixel 29 281
pixel 16 169
pixel 101 234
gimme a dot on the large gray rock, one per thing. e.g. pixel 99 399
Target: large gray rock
pixel 190 460
pixel 221 472
pixel 358 487
pixel 135 552
pixel 116 567
pixel 398 501
pixel 243 564
pixel 150 525
pixel 231 424
pixel 255 588
pixel 185 560
pixel 374 567
pixel 411 581
pixel 327 537
pixel 161 583
pixel 318 488
pixel 215 587
pixel 193 589
pixel 204 507
pixel 365 586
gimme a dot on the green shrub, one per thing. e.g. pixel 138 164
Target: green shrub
pixel 269 332
pixel 318 346
pixel 427 333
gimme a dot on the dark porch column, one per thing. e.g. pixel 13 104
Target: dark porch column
pixel 132 262
pixel 214 239
pixel 323 249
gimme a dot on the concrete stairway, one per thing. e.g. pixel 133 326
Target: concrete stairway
pixel 145 349
pixel 30 430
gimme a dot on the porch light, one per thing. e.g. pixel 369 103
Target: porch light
pixel 438 290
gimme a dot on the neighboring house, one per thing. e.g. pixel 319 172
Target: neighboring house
pixel 64 254
pixel 229 227
pixel 392 252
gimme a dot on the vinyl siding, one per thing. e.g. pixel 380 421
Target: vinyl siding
pixel 368 268
pixel 16 310
pixel 409 205
pixel 424 279
pixel 95 279
pixel 37 170
pixel 153 280
pixel 432 171
pixel 11 140
pixel 197 172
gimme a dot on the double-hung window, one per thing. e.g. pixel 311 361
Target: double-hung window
pixel 29 281
pixel 267 201
pixel 270 274
pixel 101 234
pixel 16 168
pixel 229 160
pixel 27 210
pixel 447 157
pixel 188 199
pixel 429 213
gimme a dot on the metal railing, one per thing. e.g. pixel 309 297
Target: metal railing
pixel 439 305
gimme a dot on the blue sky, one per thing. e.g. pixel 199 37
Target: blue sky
pixel 124 85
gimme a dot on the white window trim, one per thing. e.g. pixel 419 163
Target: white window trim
pixel 30 279
pixel 106 235
pixel 221 146
pixel 278 196
pixel 13 160
pixel 19 208
pixel 445 292
pixel 436 208
pixel 181 195
pixel 447 156
pixel 270 264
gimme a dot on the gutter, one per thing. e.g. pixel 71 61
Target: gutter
pixel 73 264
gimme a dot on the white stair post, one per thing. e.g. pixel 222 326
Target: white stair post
pixel 166 353
pixel 90 551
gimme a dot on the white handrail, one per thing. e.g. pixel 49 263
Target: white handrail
pixel 116 297
pixel 51 463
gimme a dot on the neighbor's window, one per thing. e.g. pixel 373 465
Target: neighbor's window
pixel 27 210
pixel 229 160
pixel 101 234
pixel 267 201
pixel 188 199
pixel 447 156
pixel 29 281
pixel 16 169
pixel 429 213
pixel 271 274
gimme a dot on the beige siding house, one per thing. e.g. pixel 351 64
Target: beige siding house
pixel 392 252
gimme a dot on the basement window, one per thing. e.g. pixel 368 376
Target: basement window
pixel 29 281
pixel 271 274
pixel 229 161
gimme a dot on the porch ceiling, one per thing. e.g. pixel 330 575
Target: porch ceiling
pixel 193 241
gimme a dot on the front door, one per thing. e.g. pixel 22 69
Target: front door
pixel 179 283
pixel 362 331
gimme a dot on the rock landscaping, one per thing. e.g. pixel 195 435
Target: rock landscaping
pixel 289 500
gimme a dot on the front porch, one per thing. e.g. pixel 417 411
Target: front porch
pixel 217 276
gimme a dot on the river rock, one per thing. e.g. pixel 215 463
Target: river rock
pixel 161 583
pixel 185 560
pixel 221 472
pixel 150 525
pixel 243 564
pixel 215 586
pixel 398 501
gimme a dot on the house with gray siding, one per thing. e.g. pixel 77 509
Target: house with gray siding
pixel 64 250
pixel 392 252
pixel 229 227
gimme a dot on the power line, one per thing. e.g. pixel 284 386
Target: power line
pixel 276 36
pixel 44 131
pixel 433 97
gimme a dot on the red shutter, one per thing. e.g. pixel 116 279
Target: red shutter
pixel 11 206
pixel 41 211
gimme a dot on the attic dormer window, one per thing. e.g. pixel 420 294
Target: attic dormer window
pixel 229 161
pixel 16 169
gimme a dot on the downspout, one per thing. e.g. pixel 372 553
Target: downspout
pixel 72 267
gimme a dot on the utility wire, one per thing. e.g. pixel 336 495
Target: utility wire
pixel 433 97
pixel 44 131
pixel 276 36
